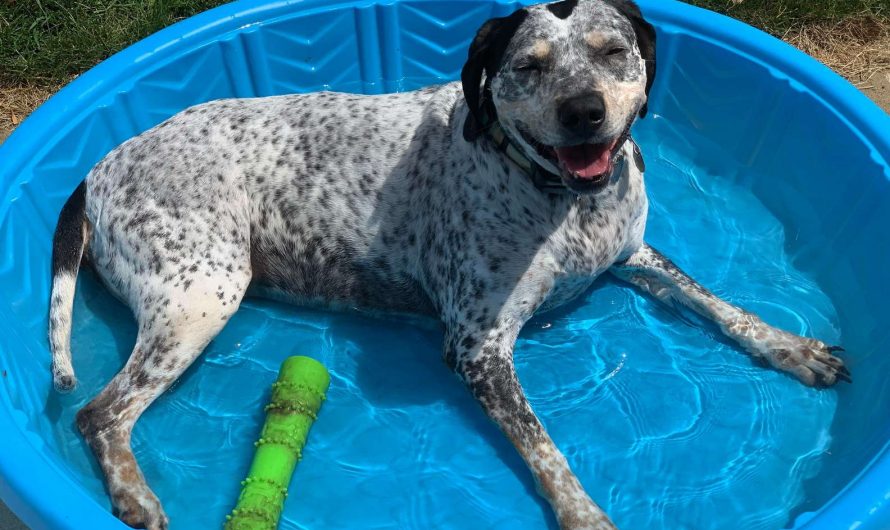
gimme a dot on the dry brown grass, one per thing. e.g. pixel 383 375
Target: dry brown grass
pixel 16 102
pixel 857 48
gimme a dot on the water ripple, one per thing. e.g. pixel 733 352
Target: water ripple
pixel 666 424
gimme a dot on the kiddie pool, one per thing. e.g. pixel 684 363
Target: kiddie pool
pixel 667 425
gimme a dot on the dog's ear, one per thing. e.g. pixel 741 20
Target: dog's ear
pixel 485 55
pixel 645 34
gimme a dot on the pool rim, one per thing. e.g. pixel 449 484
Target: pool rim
pixel 865 499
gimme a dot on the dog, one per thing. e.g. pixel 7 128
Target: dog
pixel 477 202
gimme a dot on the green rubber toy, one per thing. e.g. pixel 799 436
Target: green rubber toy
pixel 296 398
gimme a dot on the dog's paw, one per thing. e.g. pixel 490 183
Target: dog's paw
pixel 810 360
pixel 141 510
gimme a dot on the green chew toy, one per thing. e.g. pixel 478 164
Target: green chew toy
pixel 296 399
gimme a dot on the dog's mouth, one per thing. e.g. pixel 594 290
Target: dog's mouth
pixel 586 161
pixel 584 167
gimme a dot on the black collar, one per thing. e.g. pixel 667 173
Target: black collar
pixel 543 179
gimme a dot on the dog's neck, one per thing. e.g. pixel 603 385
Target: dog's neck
pixel 543 179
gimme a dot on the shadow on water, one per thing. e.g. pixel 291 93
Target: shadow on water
pixel 411 374
pixel 112 315
pixel 414 373
pixel 116 319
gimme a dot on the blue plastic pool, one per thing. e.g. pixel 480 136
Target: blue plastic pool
pixel 769 182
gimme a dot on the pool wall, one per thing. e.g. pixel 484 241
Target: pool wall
pixel 823 144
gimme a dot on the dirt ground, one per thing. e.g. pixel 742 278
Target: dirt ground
pixel 880 91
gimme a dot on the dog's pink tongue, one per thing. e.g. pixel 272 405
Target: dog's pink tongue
pixel 585 161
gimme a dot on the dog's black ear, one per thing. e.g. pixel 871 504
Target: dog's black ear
pixel 485 55
pixel 645 34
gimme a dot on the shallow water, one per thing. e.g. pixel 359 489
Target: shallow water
pixel 666 424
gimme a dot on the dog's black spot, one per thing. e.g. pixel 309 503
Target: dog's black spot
pixel 562 9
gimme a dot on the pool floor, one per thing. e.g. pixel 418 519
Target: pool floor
pixel 667 425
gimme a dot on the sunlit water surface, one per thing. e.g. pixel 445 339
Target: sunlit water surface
pixel 667 425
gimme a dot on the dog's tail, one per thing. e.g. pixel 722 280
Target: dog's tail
pixel 69 243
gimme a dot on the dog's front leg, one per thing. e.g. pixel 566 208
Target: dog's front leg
pixel 810 360
pixel 483 358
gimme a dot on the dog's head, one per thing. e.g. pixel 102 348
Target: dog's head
pixel 566 81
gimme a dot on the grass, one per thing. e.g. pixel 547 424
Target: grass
pixel 46 42
pixel 850 36
pixel 781 16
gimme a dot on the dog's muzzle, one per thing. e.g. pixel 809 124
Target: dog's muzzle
pixel 584 168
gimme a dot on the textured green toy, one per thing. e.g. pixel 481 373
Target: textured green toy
pixel 296 399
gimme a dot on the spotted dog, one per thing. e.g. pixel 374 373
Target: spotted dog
pixel 478 203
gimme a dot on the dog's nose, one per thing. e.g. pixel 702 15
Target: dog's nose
pixel 582 115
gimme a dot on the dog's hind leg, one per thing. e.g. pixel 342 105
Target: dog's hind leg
pixel 810 360
pixel 483 358
pixel 175 325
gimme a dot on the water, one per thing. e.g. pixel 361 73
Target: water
pixel 666 424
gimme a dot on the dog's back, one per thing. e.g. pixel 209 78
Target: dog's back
pixel 319 187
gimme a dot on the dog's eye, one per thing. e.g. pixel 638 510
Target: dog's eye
pixel 529 66
pixel 618 50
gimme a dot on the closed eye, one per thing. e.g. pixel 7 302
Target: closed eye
pixel 618 50
pixel 529 66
